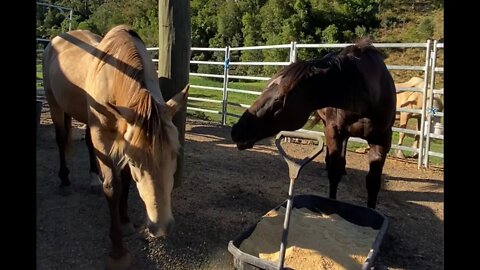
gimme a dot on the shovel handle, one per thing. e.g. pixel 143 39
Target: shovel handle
pixel 294 167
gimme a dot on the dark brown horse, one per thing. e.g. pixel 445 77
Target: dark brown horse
pixel 357 94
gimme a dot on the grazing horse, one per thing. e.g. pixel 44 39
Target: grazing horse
pixel 412 100
pixel 112 86
pixel 357 93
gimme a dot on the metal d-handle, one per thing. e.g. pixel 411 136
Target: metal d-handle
pixel 294 167
pixel 293 171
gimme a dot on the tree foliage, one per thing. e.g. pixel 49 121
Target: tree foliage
pixel 220 23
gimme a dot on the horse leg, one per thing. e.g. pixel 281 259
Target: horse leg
pixel 376 158
pixel 127 226
pixel 63 124
pixel 324 173
pixel 401 135
pixel 119 257
pixel 344 155
pixel 336 165
pixel 62 137
pixel 95 181
pixel 417 138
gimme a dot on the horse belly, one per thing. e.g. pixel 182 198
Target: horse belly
pixel 72 100
pixel 67 84
pixel 359 129
pixel 363 128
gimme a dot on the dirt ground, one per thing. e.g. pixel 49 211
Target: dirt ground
pixel 222 193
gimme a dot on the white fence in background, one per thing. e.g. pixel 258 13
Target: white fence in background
pixel 429 70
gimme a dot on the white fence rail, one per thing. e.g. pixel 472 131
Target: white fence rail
pixel 429 71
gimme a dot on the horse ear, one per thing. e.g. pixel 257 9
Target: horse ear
pixel 122 112
pixel 178 101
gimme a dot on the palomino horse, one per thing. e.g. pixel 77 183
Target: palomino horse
pixel 357 92
pixel 413 100
pixel 112 86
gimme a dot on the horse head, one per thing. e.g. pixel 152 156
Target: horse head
pixel 150 150
pixel 284 104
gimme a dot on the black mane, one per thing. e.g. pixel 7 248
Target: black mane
pixel 338 62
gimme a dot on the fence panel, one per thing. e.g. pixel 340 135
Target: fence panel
pixel 225 107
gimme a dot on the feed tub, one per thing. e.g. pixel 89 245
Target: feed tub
pixel 355 214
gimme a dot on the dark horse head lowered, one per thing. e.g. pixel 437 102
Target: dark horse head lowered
pixel 355 95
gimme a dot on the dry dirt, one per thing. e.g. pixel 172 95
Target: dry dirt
pixel 222 193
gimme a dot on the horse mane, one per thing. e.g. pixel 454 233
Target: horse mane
pixel 344 58
pixel 118 49
pixel 151 130
pixel 291 75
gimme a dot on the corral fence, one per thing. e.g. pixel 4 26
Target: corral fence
pixel 68 12
pixel 227 107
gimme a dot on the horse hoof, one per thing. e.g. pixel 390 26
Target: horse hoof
pixel 122 263
pixel 96 184
pixel 65 190
pixel 127 229
pixel 95 180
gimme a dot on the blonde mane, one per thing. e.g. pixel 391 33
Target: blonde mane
pixel 151 131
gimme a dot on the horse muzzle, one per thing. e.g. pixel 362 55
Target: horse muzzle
pixel 238 137
pixel 245 145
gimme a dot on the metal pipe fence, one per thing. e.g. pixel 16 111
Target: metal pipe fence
pixel 225 105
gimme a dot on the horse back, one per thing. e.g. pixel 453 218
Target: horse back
pixel 65 64
pixel 379 101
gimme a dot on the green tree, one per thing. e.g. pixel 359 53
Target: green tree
pixel 330 34
pixel 252 36
pixel 424 29
pixel 274 14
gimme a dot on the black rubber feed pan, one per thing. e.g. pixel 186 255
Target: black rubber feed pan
pixel 355 214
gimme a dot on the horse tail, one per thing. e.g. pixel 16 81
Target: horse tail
pixel 67 123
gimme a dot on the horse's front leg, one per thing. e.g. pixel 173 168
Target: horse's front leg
pixel 376 158
pixel 127 226
pixel 95 181
pixel 119 257
pixel 336 159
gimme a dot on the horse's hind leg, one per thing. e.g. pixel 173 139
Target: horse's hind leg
pixel 417 138
pixel 127 226
pixel 63 125
pixel 401 135
pixel 376 158
pixel 62 136
pixel 95 181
